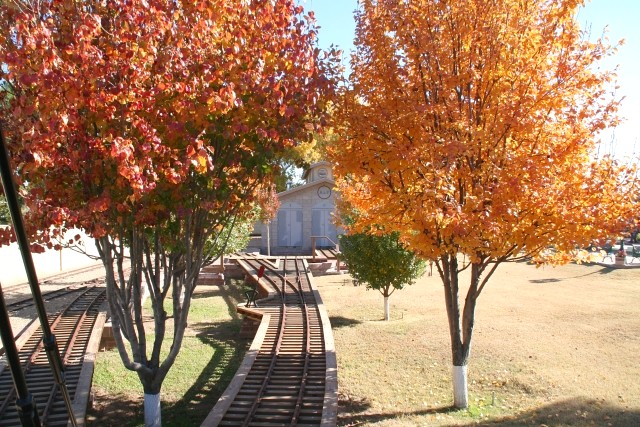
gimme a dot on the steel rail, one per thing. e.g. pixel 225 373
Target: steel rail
pixel 69 323
pixel 31 360
pixel 47 296
pixel 307 352
pixel 274 359
pixel 296 291
pixel 69 348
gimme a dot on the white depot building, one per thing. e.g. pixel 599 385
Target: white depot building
pixel 306 213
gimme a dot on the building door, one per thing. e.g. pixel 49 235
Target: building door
pixel 290 225
pixel 321 225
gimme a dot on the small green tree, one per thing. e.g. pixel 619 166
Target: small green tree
pixel 235 236
pixel 381 262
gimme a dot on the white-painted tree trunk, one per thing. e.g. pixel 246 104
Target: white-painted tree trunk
pixel 386 308
pixel 460 387
pixel 152 415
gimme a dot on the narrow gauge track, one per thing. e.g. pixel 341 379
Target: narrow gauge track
pixel 72 328
pixel 286 383
pixel 46 296
pixel 54 277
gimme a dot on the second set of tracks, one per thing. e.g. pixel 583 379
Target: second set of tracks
pixel 285 385
pixel 73 327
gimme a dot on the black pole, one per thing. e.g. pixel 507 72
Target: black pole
pixel 25 403
pixel 48 339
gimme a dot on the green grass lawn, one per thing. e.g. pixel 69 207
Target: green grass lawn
pixel 210 355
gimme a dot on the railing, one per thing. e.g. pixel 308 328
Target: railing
pixel 313 248
pixel 314 239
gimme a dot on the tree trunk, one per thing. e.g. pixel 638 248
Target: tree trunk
pixel 386 308
pixel 460 325
pixel 460 388
pixel 152 414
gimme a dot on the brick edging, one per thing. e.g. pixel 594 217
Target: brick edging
pixel 229 395
pixel 83 388
pixel 330 404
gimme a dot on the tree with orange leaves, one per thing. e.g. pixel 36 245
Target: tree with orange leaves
pixel 469 127
pixel 152 124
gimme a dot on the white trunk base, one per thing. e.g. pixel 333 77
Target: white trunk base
pixel 460 387
pixel 386 308
pixel 152 415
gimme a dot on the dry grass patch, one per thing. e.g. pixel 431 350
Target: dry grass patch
pixel 554 346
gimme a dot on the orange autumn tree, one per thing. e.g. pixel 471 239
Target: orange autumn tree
pixel 152 125
pixel 469 127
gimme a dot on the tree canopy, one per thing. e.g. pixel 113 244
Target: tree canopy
pixel 127 102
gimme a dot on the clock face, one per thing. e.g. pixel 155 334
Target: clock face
pixel 324 192
pixel 322 173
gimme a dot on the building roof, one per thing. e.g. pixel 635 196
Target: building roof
pixel 328 182
pixel 313 166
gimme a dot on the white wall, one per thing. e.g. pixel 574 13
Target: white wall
pixel 48 263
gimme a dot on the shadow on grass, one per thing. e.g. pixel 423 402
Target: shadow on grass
pixel 116 411
pixel 341 322
pixel 545 280
pixel 601 270
pixel 609 270
pixel 352 419
pixel 232 292
pixel 205 391
pixel 572 412
pixel 229 351
pixel 220 291
pixel 353 411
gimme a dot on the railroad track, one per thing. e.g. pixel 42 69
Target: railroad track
pixel 55 277
pixel 73 329
pixel 285 385
pixel 46 296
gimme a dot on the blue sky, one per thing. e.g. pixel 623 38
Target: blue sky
pixel 620 17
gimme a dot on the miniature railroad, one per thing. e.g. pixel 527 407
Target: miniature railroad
pixel 283 381
pixel 46 296
pixel 73 328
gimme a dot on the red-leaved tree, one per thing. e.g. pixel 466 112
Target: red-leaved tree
pixel 149 124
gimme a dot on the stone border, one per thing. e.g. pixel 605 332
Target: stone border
pixel 83 387
pixel 330 404
pixel 229 395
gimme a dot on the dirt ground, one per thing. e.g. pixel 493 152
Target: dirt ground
pixel 551 346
